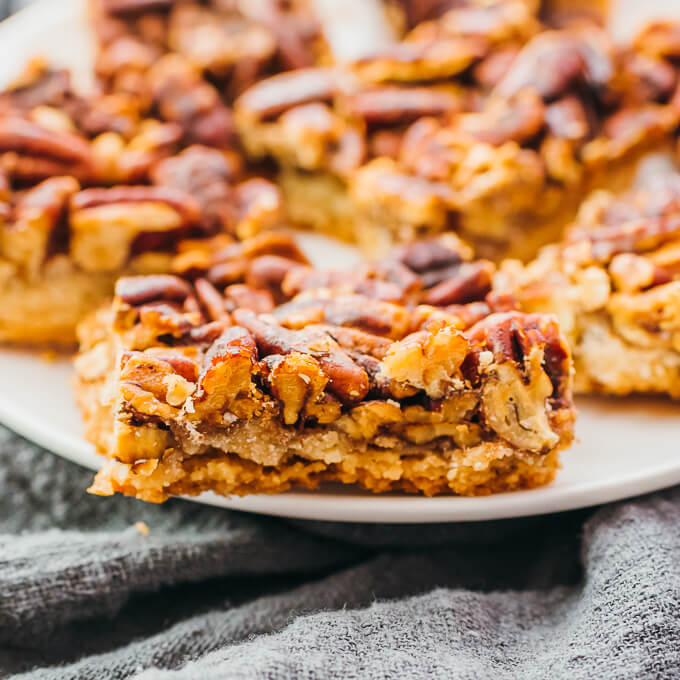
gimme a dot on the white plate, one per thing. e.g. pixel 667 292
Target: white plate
pixel 625 447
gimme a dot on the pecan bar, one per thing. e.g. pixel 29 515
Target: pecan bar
pixel 614 284
pixel 567 115
pixel 90 190
pixel 482 122
pixel 405 374
pixel 229 44
pixel 322 124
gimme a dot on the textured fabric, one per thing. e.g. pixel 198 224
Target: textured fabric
pixel 209 593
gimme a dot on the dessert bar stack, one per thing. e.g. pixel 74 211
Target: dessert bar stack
pixel 483 161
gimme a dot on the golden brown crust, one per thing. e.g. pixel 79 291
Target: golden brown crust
pixel 487 469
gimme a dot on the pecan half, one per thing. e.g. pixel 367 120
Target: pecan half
pixel 373 316
pixel 273 243
pixel 427 360
pixel 517 118
pixel 360 342
pixel 267 272
pixel 225 380
pixel 469 282
pixel 134 6
pixel 179 200
pixel 554 60
pixel 394 104
pixel 297 381
pixel 421 60
pixel 29 151
pixel 210 299
pixel 137 290
pixel 432 255
pixel 273 96
pixel 207 175
pixel 347 381
pixel 629 237
pixel 496 22
pixel 155 373
pixel 240 296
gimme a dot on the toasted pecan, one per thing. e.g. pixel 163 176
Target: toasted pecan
pixel 347 381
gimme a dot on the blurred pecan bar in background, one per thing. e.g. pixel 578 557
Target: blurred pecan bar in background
pixel 254 372
pixel 481 122
pixel 231 44
pixel 321 125
pixel 614 284
pixel 66 233
pixel 567 113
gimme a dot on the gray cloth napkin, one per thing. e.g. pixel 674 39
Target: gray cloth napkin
pixel 210 593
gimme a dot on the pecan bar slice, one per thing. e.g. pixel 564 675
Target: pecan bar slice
pixel 90 190
pixel 483 122
pixel 322 124
pixel 227 43
pixel 569 113
pixel 399 376
pixel 614 284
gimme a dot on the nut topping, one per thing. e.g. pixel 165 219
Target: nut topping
pixel 346 380
pixel 137 290
pixel 471 281
pixel 225 378
pixel 271 97
pixel 392 104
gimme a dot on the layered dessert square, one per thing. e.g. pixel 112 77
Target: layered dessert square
pixel 614 284
pixel 322 124
pixel 483 121
pixel 90 189
pixel 251 372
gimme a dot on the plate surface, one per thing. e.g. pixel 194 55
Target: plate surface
pixel 626 447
